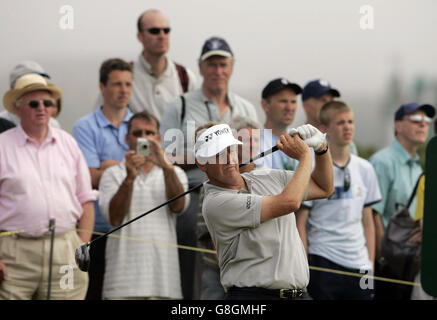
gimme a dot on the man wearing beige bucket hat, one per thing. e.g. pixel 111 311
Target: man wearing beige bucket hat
pixel 43 177
pixel 27 67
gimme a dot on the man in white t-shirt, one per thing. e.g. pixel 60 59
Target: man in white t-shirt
pixel 338 232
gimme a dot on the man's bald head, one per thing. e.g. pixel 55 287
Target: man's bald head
pixel 154 33
pixel 147 18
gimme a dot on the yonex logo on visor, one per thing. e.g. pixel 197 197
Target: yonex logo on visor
pixel 217 133
pixel 214 140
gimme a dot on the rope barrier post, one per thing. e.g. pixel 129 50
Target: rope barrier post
pixel 52 239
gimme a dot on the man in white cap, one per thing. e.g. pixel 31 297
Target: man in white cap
pixel 43 176
pixel 26 67
pixel 250 215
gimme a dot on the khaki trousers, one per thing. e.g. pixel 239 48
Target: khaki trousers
pixel 27 268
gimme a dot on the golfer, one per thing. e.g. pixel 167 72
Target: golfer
pixel 250 215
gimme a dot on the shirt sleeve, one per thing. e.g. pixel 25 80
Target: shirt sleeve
pixel 252 111
pixel 171 124
pixel 373 195
pixel 230 212
pixel 84 190
pixel 85 140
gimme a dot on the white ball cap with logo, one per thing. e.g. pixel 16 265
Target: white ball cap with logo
pixel 214 140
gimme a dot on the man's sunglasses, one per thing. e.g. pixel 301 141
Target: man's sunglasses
pixel 418 119
pixel 35 103
pixel 347 180
pixel 158 30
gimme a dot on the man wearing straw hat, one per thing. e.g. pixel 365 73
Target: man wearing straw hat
pixel 26 67
pixel 43 176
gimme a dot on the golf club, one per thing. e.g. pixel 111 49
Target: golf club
pixel 82 255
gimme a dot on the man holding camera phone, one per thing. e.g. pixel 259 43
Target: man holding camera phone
pixel 146 269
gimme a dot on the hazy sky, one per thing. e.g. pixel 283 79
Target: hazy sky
pixel 300 40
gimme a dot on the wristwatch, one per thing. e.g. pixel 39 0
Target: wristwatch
pixel 321 152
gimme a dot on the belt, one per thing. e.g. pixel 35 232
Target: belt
pixel 287 294
pixel 18 234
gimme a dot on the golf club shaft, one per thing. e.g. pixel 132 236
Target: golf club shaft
pixel 262 154
pixel 52 239
pixel 145 213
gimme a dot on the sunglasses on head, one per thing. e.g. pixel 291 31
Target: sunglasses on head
pixel 35 103
pixel 347 180
pixel 418 118
pixel 158 30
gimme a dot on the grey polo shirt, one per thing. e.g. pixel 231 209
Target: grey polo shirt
pixel 198 111
pixel 178 134
pixel 271 254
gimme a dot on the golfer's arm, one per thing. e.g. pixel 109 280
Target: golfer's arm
pixel 86 222
pixel 173 187
pixel 120 202
pixel 322 177
pixel 289 200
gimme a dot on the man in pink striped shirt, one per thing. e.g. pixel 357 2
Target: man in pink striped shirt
pixel 43 176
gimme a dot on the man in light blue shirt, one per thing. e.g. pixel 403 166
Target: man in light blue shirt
pixel 101 137
pixel 397 167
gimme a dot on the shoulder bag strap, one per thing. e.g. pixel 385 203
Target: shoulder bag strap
pixel 413 194
pixel 183 77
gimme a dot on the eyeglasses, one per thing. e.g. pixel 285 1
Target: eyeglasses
pixel 156 31
pixel 35 103
pixel 418 119
pixel 347 180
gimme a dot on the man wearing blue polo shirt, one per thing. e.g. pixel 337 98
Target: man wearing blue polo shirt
pixel 398 167
pixel 101 137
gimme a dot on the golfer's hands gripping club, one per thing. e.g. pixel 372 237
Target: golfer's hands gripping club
pixel 310 135
pixel 293 146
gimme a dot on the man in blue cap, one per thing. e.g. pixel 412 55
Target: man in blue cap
pixel 315 94
pixel 398 167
